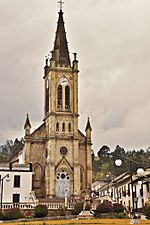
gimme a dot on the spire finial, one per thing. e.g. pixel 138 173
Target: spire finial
pixel 88 126
pixel 61 4
pixel 27 123
pixel 75 56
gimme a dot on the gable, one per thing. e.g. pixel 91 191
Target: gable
pixel 40 132
pixel 65 165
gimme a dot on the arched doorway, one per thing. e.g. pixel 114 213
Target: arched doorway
pixel 62 184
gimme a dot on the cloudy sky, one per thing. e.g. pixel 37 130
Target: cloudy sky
pixel 112 39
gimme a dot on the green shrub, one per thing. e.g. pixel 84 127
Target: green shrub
pixel 1 215
pixel 146 211
pixel 78 208
pixel 120 215
pixel 40 211
pixel 118 208
pixel 11 214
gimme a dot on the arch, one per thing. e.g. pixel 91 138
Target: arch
pixel 62 184
pixel 59 97
pixel 37 179
pixel 37 172
pixel 67 97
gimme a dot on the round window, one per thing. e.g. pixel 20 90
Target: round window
pixel 63 176
pixel 63 150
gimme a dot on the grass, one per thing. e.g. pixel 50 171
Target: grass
pixel 79 222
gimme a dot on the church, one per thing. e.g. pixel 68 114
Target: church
pixel 60 153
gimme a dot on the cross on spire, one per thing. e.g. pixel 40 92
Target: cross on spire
pixel 61 4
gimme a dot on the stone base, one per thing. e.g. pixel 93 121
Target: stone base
pixel 85 215
pixel 134 221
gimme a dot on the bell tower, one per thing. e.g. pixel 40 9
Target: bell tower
pixel 61 109
pixel 61 84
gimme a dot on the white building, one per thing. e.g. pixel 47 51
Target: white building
pixel 120 190
pixel 16 185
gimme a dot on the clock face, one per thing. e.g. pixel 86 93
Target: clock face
pixel 63 81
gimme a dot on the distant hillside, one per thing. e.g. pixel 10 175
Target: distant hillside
pixel 104 164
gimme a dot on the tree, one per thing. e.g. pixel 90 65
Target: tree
pixel 106 162
pixel 104 152
pixel 119 151
pixel 10 148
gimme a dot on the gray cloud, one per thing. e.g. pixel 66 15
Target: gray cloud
pixel 112 39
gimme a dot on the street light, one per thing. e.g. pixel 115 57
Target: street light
pixel 107 180
pixel 140 172
pixel 1 181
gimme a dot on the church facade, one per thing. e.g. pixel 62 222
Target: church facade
pixel 59 151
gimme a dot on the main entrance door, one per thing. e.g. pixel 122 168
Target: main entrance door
pixel 62 184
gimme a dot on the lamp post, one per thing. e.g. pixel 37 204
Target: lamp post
pixel 66 196
pixel 107 180
pixel 140 171
pixel 2 183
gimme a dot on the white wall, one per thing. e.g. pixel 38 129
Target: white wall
pixel 24 190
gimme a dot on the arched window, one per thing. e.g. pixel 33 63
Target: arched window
pixel 67 97
pixel 57 127
pixel 63 127
pixel 59 100
pixel 37 173
pixel 69 127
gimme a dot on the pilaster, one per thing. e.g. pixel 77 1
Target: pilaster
pixel 76 168
pixel 26 150
pixel 89 166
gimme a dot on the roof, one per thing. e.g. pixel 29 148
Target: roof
pixel 60 53
pixel 88 126
pixel 27 123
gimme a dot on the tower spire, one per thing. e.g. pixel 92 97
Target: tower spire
pixel 27 123
pixel 60 53
pixel 88 126
pixel 27 126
